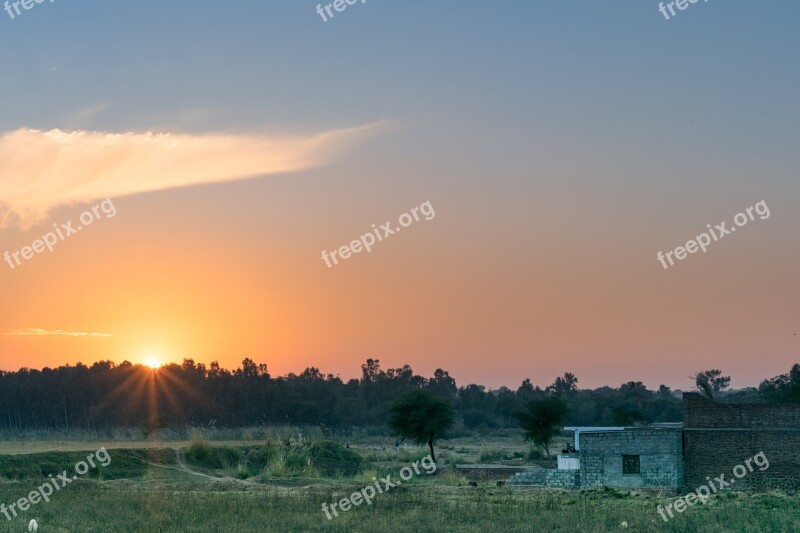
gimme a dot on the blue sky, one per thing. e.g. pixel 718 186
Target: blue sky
pixel 564 143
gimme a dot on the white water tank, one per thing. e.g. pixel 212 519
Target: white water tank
pixel 567 462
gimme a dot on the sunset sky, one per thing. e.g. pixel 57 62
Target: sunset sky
pixel 561 144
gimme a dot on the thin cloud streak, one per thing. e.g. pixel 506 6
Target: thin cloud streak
pixel 40 170
pixel 88 112
pixel 37 332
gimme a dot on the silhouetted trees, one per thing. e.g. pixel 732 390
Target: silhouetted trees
pixel 782 389
pixel 710 382
pixel 564 386
pixel 106 395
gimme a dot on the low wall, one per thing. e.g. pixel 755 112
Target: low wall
pixel 483 472
pixel 565 479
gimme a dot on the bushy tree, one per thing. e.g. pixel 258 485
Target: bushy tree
pixel 541 420
pixel 711 382
pixel 421 417
pixel 564 386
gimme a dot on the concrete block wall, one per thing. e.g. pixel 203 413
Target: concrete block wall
pixel 567 479
pixel 533 476
pixel 659 451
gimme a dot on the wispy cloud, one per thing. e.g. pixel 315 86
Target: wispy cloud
pixel 40 170
pixel 37 332
pixel 87 112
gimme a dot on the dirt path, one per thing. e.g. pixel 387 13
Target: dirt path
pixel 183 467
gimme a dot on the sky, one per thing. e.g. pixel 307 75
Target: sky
pixel 561 146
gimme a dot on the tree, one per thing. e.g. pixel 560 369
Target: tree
pixel 442 384
pixel 542 419
pixel 564 386
pixel 526 390
pixel 422 417
pixel 371 371
pixel 627 417
pixel 710 382
pixel 782 389
pixel 635 390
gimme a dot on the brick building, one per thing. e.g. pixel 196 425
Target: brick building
pixel 714 439
pixel 718 436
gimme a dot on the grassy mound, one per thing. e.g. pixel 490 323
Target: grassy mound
pixel 299 459
pixel 331 459
pixel 125 464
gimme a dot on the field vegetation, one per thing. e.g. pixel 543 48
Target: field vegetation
pixel 280 484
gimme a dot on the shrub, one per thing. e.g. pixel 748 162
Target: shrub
pixel 291 464
pixel 453 478
pixel 488 455
pixel 536 454
pixel 258 458
pixel 199 452
pixel 332 459
pixel 242 472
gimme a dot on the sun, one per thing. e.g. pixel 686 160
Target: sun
pixel 152 363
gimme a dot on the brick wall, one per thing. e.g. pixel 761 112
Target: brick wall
pixel 701 413
pixel 718 437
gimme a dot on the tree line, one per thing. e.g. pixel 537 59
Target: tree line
pixel 107 395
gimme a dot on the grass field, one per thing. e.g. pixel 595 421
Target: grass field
pixel 202 489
